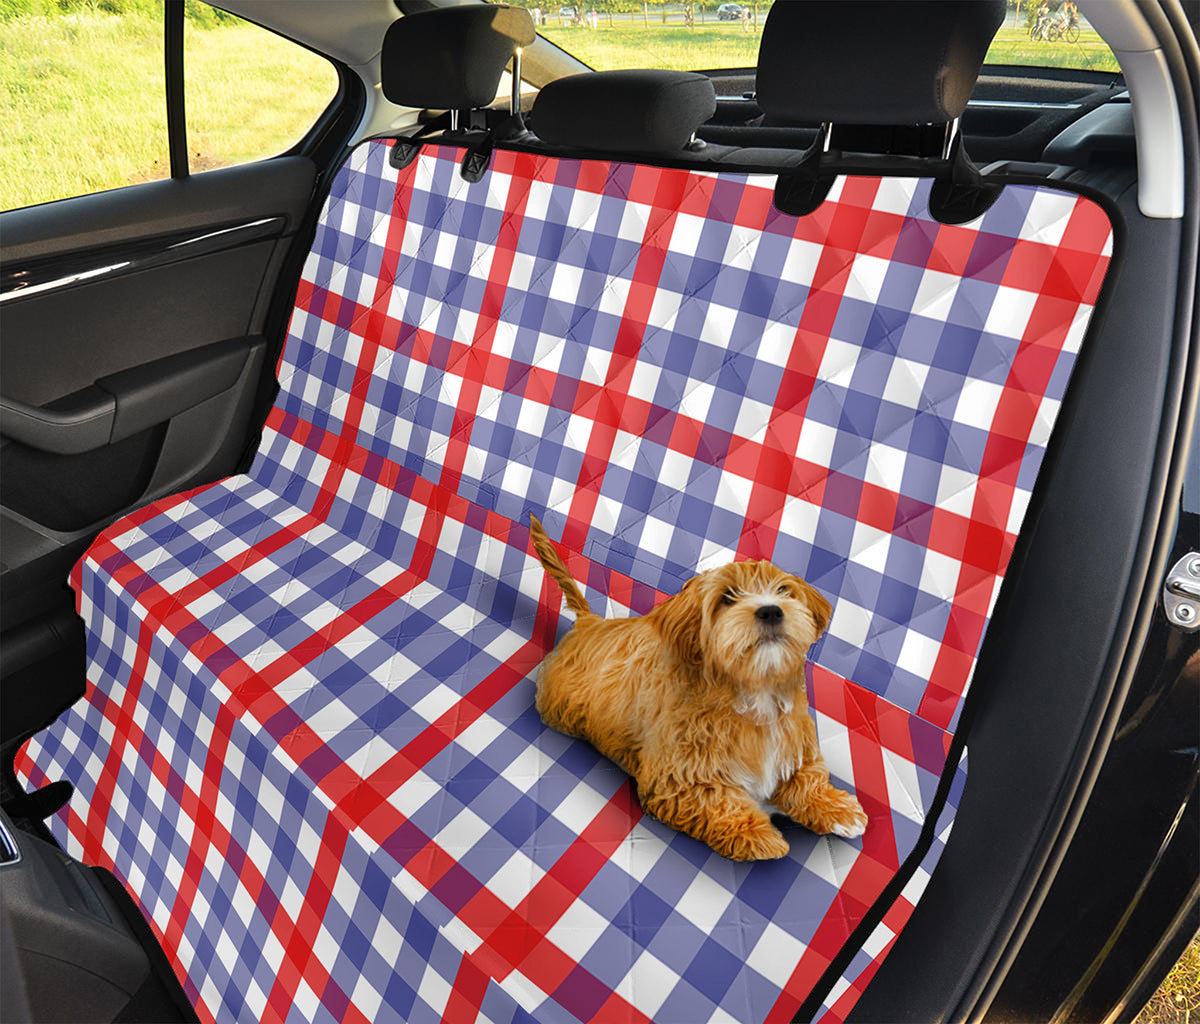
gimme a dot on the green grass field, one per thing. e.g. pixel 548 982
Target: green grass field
pixel 82 107
pixel 1013 46
pixel 1177 1000
pixel 629 44
pixel 711 44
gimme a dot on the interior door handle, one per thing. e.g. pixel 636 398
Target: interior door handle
pixel 122 404
pixel 76 423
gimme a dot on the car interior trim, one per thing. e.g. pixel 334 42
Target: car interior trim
pixel 1018 105
pixel 48 275
pixel 122 404
pixel 10 852
pixel 177 147
pixel 20 284
pixel 79 422
pixel 1156 116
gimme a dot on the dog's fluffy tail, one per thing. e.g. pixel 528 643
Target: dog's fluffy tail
pixel 557 569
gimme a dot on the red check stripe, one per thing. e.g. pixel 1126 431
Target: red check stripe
pixel 210 839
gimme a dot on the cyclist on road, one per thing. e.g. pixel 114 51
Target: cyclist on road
pixel 1069 12
pixel 1043 17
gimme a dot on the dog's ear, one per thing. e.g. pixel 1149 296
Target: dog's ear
pixel 679 620
pixel 821 610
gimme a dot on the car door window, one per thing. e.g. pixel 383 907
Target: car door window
pixel 84 106
pixel 249 93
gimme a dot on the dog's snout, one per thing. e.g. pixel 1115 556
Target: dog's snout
pixel 769 613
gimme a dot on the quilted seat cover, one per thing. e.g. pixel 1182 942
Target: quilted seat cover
pixel 308 744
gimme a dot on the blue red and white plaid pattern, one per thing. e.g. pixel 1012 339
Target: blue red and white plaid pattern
pixel 308 744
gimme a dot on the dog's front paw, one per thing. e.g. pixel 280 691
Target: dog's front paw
pixel 854 825
pixel 807 797
pixel 844 816
pixel 762 841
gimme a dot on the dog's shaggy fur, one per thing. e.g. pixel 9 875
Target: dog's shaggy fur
pixel 702 701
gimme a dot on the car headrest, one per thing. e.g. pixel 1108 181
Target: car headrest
pixel 873 61
pixel 651 111
pixel 451 57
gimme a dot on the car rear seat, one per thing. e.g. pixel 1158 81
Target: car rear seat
pixel 308 744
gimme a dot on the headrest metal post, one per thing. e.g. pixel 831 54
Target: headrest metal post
pixel 826 135
pixel 952 129
pixel 514 106
pixel 454 119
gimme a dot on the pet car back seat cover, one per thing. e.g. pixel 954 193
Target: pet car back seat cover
pixel 309 745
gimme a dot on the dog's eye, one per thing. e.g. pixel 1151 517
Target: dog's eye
pixel 728 597
pixel 781 589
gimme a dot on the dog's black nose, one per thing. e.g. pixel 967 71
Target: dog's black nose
pixel 769 613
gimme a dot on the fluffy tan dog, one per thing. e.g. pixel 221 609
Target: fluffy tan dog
pixel 702 701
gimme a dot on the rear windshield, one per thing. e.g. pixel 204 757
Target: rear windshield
pixel 708 36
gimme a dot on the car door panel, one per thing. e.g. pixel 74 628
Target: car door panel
pixel 133 356
pixel 177 280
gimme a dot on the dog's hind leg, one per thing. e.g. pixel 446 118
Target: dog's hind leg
pixel 724 817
